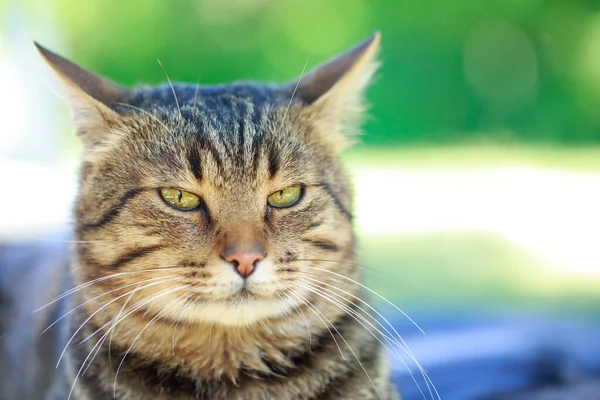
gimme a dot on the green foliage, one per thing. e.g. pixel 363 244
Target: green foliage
pixel 453 71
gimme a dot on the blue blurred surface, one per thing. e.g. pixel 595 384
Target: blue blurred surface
pixel 470 357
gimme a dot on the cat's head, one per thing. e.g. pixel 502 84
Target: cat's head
pixel 223 204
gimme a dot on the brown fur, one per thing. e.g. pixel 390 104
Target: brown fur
pixel 276 335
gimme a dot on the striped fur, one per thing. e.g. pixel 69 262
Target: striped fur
pixel 290 331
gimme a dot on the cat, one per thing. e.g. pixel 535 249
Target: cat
pixel 215 256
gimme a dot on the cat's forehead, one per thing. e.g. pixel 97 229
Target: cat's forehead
pixel 233 115
pixel 227 133
pixel 222 102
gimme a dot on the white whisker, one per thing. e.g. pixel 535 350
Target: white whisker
pixel 172 88
pixel 101 340
pixel 387 337
pixel 196 95
pixel 403 345
pixel 296 295
pixel 372 291
pixel 96 312
pixel 113 331
pixel 94 281
pixel 138 336
pixel 294 92
pixel 309 334
pixel 177 324
pixel 152 116
pixel 104 294
pixel 315 310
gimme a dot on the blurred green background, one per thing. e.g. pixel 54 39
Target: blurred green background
pixel 501 70
pixel 485 122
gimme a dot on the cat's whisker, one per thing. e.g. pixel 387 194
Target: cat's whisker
pixel 359 318
pixel 294 93
pixel 317 141
pixel 403 344
pixel 140 334
pixel 266 328
pixel 388 337
pixel 148 114
pixel 308 330
pixel 372 291
pixel 354 265
pixel 94 281
pixel 304 302
pixel 96 312
pixel 101 340
pixel 114 321
pixel 172 88
pixel 89 364
pixel 425 377
pixel 77 288
pixel 363 302
pixel 177 324
pixel 315 311
pixel 329 278
pixel 95 350
pixel 104 294
pixel 195 102
pixel 346 308
pixel 324 292
pixel 301 128
pixel 112 333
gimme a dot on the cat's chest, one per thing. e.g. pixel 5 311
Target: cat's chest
pixel 216 353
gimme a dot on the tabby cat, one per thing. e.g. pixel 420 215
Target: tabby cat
pixel 214 254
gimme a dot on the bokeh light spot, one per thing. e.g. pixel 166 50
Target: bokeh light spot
pixel 500 62
pixel 590 53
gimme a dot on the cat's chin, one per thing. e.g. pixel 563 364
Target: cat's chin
pixel 242 313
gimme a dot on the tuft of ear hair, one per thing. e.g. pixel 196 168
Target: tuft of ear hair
pixel 90 96
pixel 334 92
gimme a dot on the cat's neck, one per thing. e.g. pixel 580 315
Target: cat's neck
pixel 209 351
pixel 200 352
pixel 215 351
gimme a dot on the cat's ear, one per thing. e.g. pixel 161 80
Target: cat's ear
pixel 335 90
pixel 90 96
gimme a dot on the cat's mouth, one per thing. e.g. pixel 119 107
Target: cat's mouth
pixel 241 308
pixel 243 295
pixel 237 301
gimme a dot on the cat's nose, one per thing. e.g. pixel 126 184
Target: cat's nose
pixel 244 262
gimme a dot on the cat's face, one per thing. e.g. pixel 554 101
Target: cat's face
pixel 225 206
pixel 231 161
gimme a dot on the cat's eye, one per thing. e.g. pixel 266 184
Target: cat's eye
pixel 285 197
pixel 180 199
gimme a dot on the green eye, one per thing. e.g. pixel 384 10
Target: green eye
pixel 285 197
pixel 180 199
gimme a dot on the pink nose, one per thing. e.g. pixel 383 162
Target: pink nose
pixel 244 261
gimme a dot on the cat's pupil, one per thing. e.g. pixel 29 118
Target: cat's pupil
pixel 281 193
pixel 179 195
